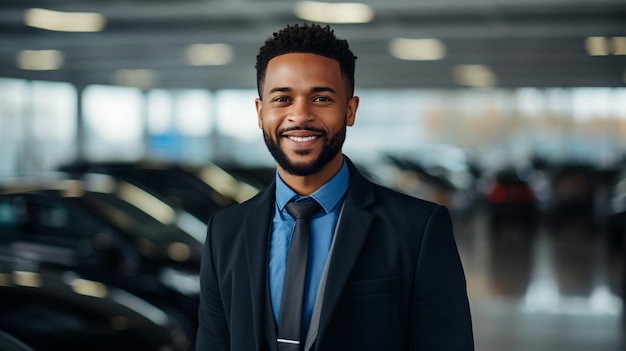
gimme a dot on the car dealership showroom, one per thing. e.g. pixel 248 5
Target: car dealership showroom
pixel 125 125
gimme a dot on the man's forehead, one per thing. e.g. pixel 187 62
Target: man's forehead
pixel 302 55
pixel 311 66
pixel 308 70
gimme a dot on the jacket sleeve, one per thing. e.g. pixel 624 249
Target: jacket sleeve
pixel 439 310
pixel 213 332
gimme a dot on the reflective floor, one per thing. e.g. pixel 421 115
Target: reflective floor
pixel 548 288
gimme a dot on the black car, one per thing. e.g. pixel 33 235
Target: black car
pixel 616 217
pixel 54 310
pixel 10 343
pixel 258 177
pixel 103 236
pixel 179 186
pixel 574 188
pixel 510 200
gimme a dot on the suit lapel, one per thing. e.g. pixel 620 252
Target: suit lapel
pixel 352 231
pixel 257 228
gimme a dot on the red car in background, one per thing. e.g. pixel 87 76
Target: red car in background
pixel 510 200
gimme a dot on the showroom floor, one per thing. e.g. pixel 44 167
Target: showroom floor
pixel 545 290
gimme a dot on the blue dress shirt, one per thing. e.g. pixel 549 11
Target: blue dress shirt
pixel 330 196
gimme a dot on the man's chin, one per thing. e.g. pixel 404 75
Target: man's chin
pixel 299 168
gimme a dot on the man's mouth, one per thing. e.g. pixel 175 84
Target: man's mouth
pixel 302 139
pixel 301 136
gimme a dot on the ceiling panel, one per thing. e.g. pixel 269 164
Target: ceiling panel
pixel 524 42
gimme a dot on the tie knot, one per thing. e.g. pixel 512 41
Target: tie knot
pixel 303 209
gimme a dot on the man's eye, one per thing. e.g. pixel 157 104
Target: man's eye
pixel 322 99
pixel 280 99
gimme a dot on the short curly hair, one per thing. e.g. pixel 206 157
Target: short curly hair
pixel 306 38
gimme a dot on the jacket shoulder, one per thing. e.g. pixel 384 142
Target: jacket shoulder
pixel 234 215
pixel 237 210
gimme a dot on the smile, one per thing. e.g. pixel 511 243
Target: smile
pixel 302 139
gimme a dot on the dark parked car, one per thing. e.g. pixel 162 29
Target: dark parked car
pixel 573 195
pixel 181 187
pixel 104 236
pixel 258 177
pixel 434 181
pixel 50 310
pixel 617 213
pixel 10 343
pixel 510 200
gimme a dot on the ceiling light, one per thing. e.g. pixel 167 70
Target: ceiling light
pixel 619 45
pixel 597 46
pixel 339 12
pixel 478 76
pixel 39 60
pixel 417 49
pixel 64 21
pixel 209 54
pixel 137 78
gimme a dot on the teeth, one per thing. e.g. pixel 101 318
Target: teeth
pixel 302 139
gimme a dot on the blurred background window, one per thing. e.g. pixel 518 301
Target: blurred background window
pixel 113 122
pixel 37 125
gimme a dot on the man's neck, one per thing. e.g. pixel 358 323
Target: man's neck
pixel 307 185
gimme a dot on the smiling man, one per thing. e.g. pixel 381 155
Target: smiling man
pixel 304 109
pixel 323 259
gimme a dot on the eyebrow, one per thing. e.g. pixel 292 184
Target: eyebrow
pixel 323 89
pixel 313 90
pixel 280 90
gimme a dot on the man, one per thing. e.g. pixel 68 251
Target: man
pixel 383 271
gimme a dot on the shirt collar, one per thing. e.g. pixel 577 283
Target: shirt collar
pixel 328 195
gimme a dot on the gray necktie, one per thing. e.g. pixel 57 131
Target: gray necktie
pixel 291 306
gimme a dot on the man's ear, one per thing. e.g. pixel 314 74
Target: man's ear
pixel 353 105
pixel 258 103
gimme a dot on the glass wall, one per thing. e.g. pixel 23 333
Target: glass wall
pixel 113 119
pixel 179 125
pixel 39 127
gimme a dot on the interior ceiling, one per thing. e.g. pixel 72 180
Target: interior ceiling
pixel 527 43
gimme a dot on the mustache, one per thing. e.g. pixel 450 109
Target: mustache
pixel 280 132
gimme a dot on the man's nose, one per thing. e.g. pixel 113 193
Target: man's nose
pixel 301 112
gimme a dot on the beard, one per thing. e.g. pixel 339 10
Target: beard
pixel 330 149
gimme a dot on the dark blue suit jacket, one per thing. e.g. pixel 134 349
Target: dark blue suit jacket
pixel 395 281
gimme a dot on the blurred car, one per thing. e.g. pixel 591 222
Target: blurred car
pixel 10 343
pixel 510 200
pixel 616 217
pixel 573 195
pixel 194 199
pixel 115 236
pixel 50 310
pixel 257 176
pixel 436 182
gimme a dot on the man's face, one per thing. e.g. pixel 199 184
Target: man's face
pixel 304 112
